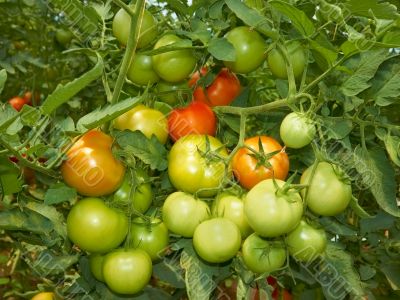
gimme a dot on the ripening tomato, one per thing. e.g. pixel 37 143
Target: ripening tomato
pixel 222 91
pixel 122 23
pixel 44 296
pixel 252 166
pixel 196 118
pixel 90 166
pixel 250 49
pixel 148 120
pixel 18 102
pixel 297 130
pixel 96 266
pixel 173 66
pixel 141 71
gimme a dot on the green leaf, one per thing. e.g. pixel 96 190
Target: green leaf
pixel 107 113
pixel 252 18
pixel 364 72
pixel 360 212
pixel 65 92
pixel 7 116
pixel 328 54
pixel 59 193
pixel 392 144
pixel 337 128
pixel 3 79
pixel 221 49
pixel 380 221
pixel 169 271
pixel 150 151
pixel 27 220
pixel 371 8
pixel 299 19
pixel 30 115
pixel 4 280
pixel 378 175
pixel 9 177
pixel 337 228
pixel 367 272
pixel 392 273
pixel 48 263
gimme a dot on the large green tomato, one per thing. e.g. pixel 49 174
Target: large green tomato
pixel 217 240
pixel 95 227
pixel 250 49
pixel 151 237
pixel 141 197
pixel 190 171
pixel 328 194
pixel 306 243
pixel 121 26
pixel 141 71
pixel 263 256
pixel 297 57
pixel 231 207
pixel 127 271
pixel 270 211
pixel 173 66
pixel 182 213
pixel 297 130
pixel 148 120
pixel 96 266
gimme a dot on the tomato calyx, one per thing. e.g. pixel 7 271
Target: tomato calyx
pixel 210 155
pixel 262 157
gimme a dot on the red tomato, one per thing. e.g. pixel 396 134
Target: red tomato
pixel 197 75
pixel 222 91
pixel 196 118
pixel 18 102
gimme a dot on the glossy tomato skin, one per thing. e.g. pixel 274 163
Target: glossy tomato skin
pixel 263 256
pixel 182 213
pixel 127 271
pixel 196 118
pixel 217 240
pixel 18 102
pixel 297 57
pixel 44 296
pixel 231 207
pixel 95 227
pixel 96 266
pixel 121 27
pixel 172 93
pixel 271 212
pixel 222 91
pixel 297 130
pixel 306 243
pixel 90 167
pixel 151 237
pixel 245 165
pixel 141 198
pixel 189 171
pixel 250 49
pixel 173 66
pixel 141 71
pixel 327 195
pixel 148 120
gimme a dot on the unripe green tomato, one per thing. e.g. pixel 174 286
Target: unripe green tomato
pixel 121 26
pixel 297 57
pixel 63 36
pixel 96 266
pixel 141 71
pixel 297 130
pixel 172 93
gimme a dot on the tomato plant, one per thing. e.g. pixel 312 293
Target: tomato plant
pixel 127 271
pixel 182 213
pixel 194 166
pixel 261 158
pixel 141 70
pixel 328 193
pixel 217 240
pixel 297 130
pixel 222 91
pixel 148 120
pixel 95 227
pixel 90 166
pixel 196 118
pixel 282 205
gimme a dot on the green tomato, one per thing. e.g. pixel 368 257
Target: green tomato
pixel 95 227
pixel 141 71
pixel 143 195
pixel 151 237
pixel 173 66
pixel 190 171
pixel 121 27
pixel 217 240
pixel 127 271
pixel 182 213
pixel 272 212
pixel 96 266
pixel 263 256
pixel 231 207
pixel 63 36
pixel 250 49
pixel 306 243
pixel 297 130
pixel 172 93
pixel 297 56
pixel 328 194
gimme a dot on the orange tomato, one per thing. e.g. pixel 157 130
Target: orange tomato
pixel 91 167
pixel 44 296
pixel 249 167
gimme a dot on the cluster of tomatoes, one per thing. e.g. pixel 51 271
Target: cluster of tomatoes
pixel 260 223
pixel 18 102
